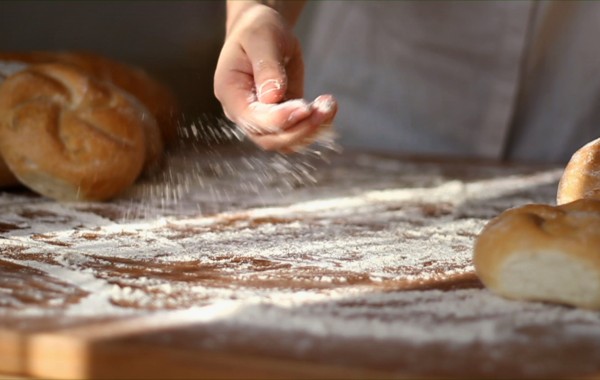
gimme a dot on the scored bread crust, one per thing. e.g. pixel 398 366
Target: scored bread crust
pixel 157 97
pixel 71 136
pixel 581 177
pixel 543 253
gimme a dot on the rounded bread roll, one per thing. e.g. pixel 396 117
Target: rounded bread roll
pixel 157 98
pixel 543 253
pixel 581 177
pixel 70 136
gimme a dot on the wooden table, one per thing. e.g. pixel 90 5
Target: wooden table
pixel 239 263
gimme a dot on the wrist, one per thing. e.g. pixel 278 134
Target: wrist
pixel 235 9
pixel 289 10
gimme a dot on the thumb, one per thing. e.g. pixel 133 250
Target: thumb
pixel 271 90
pixel 268 66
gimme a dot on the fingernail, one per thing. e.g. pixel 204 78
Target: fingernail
pixel 267 87
pixel 325 104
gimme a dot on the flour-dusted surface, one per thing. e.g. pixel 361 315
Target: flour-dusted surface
pixel 364 262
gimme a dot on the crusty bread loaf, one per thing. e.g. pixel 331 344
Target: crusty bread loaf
pixel 70 136
pixel 581 177
pixel 544 253
pixel 157 98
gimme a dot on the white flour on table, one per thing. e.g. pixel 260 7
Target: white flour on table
pixel 378 252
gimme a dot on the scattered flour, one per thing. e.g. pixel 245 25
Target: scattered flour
pixel 361 256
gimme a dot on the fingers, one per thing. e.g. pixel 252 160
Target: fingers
pixel 303 133
pixel 325 108
pixel 262 118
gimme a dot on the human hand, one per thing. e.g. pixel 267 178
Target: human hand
pixel 259 81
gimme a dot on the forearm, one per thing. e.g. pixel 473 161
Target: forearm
pixel 290 10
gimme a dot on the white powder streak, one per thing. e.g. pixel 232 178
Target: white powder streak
pixel 320 241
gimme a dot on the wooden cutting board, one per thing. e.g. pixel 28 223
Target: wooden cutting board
pixel 232 264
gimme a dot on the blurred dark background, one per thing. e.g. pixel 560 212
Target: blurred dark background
pixel 176 41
